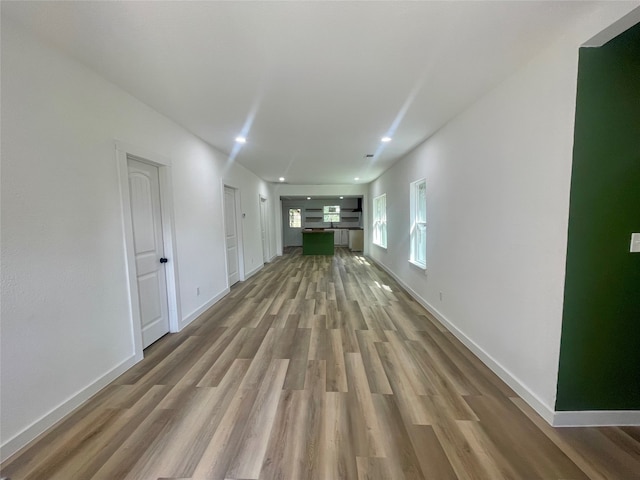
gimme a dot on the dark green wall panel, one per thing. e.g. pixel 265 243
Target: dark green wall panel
pixel 600 345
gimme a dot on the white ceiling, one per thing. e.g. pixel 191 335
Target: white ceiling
pixel 313 85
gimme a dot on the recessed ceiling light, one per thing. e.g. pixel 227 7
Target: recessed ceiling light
pixel 241 140
pixel 281 179
pixel 308 198
pixel 385 139
pixel 357 178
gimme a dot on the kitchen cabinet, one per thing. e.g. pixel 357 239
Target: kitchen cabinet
pixel 341 237
pixel 317 243
pixel 356 240
pixel 344 237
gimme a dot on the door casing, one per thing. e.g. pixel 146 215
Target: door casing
pixel 239 230
pixel 264 227
pixel 150 269
pixel 123 151
pixel 231 243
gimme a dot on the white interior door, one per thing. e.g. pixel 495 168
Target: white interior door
pixel 231 234
pixel 264 229
pixel 144 188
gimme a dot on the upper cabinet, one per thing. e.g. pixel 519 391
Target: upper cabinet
pixel 328 212
pixel 350 218
pixel 315 217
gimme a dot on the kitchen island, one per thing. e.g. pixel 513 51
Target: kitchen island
pixel 317 242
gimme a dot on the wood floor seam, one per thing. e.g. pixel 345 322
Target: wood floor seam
pixel 317 368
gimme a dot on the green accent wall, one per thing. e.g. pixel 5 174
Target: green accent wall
pixel 600 343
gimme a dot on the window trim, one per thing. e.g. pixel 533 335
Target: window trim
pixel 383 221
pixel 418 265
pixel 413 221
pixel 325 214
pixel 289 216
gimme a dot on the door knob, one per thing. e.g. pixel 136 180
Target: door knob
pixel 163 260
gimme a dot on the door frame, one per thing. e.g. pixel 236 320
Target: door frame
pixel 266 256
pixel 239 230
pixel 123 152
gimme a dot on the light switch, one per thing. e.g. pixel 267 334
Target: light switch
pixel 635 243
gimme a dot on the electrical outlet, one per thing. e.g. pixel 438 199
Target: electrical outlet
pixel 440 296
pixel 197 290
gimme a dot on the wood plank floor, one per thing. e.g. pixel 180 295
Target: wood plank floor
pixel 317 368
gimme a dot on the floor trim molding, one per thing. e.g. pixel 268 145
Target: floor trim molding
pixel 250 274
pixel 597 418
pixel 505 375
pixel 206 306
pixel 586 418
pixel 47 421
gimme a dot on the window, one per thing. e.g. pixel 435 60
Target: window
pixel 331 214
pixel 295 218
pixel 418 222
pixel 380 220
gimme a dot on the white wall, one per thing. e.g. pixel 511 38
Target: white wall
pixel 65 315
pixel 498 180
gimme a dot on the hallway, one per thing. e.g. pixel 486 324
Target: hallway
pixel 317 368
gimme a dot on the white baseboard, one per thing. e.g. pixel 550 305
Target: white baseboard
pixel 200 310
pixel 587 418
pixel 38 427
pixel 250 274
pixel 597 418
pixel 47 421
pixel 505 375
